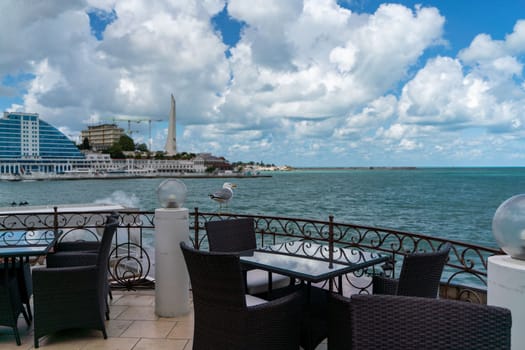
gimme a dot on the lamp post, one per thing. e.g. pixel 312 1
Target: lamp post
pixel 171 228
pixel 506 273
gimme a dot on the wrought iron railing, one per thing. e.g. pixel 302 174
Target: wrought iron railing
pixel 131 264
pixel 464 278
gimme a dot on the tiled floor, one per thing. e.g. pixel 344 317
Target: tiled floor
pixel 133 326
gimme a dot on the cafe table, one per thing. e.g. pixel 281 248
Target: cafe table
pixel 25 244
pixel 311 262
pixel 16 247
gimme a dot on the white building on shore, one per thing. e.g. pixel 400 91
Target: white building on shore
pixel 30 148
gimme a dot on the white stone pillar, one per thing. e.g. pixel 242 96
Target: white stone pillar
pixel 171 276
pixel 506 288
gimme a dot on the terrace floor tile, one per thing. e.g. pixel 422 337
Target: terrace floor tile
pixel 133 326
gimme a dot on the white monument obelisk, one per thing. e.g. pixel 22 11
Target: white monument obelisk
pixel 171 141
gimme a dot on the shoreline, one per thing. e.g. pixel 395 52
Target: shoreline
pixel 358 168
pixel 133 176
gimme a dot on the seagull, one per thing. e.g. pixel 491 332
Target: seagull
pixel 224 195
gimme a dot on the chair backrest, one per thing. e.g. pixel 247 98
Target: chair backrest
pixel 216 278
pixel 105 243
pixel 412 323
pixel 421 273
pixel 233 235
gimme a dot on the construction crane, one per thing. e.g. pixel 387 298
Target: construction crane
pixel 138 121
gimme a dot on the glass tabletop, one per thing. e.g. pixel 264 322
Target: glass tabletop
pixel 26 243
pixel 310 261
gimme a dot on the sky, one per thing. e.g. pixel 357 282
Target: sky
pixel 296 82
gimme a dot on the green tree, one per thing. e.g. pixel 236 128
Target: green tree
pixel 184 156
pixel 115 151
pixel 142 147
pixel 126 143
pixel 85 144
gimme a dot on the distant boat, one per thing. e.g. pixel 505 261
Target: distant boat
pixel 36 175
pixel 83 171
pixel 11 177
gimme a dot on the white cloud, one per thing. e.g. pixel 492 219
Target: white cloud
pixel 396 132
pixel 515 41
pixel 150 51
pixel 330 61
pixel 307 79
pixel 372 116
pixel 480 89
pixel 482 48
pixel 408 145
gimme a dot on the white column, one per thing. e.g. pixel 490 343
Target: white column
pixel 506 288
pixel 171 276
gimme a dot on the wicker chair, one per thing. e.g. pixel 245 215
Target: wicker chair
pixel 237 235
pixel 226 318
pixel 76 253
pixel 375 322
pixel 11 303
pixel 25 286
pixel 419 277
pixel 73 297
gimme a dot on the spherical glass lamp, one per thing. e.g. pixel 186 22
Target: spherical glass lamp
pixel 508 226
pixel 171 193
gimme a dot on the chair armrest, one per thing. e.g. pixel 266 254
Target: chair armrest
pixel 71 258
pixel 279 303
pixel 92 246
pixel 339 326
pixel 60 280
pixel 277 321
pixel 384 285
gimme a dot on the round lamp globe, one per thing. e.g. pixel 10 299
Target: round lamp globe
pixel 171 193
pixel 508 226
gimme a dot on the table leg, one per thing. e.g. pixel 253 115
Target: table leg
pixel 270 283
pixel 315 317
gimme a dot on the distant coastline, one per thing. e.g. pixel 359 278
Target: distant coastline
pixel 325 168
pixel 358 168
pixel 53 177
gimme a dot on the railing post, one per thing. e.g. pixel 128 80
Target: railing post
pixel 55 221
pixel 196 228
pixel 331 241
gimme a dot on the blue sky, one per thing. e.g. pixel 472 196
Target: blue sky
pixel 301 83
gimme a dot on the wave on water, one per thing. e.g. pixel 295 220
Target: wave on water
pixel 129 200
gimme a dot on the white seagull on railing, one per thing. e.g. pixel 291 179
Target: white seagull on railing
pixel 224 195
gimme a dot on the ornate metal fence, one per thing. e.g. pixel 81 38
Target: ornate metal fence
pixel 131 264
pixel 464 278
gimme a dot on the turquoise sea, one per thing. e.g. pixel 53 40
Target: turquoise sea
pixel 453 203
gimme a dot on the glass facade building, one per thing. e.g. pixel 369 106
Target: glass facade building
pixel 31 149
pixel 24 136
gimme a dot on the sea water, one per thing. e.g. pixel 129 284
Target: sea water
pixel 451 203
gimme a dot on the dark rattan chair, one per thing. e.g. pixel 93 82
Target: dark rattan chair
pixel 375 322
pixel 11 303
pixel 226 318
pixel 76 253
pixel 25 285
pixel 419 277
pixel 73 297
pixel 73 253
pixel 237 235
